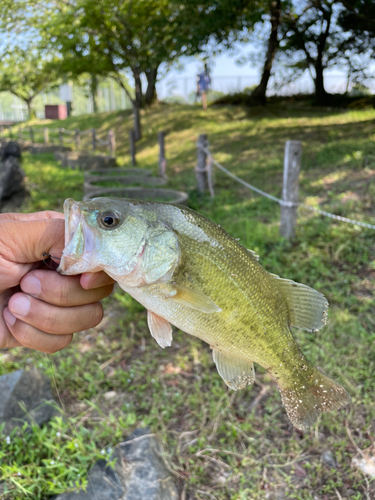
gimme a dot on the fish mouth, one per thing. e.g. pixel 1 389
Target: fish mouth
pixel 79 241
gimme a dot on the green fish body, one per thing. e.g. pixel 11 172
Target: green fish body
pixel 188 272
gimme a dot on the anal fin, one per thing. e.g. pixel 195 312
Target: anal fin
pixel 160 329
pixel 236 372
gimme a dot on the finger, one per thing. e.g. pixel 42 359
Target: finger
pixel 25 241
pixel 59 290
pixel 95 280
pixel 47 214
pixel 54 319
pixel 33 338
pixel 6 338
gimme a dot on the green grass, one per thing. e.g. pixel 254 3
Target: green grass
pixel 217 441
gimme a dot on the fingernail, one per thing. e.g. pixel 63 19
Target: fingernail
pixel 8 317
pixel 31 285
pixel 20 306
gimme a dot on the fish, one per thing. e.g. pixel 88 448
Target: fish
pixel 189 272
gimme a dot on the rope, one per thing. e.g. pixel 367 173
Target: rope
pixel 101 142
pixel 66 131
pixel 284 203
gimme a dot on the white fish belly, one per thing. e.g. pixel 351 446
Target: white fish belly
pixel 185 318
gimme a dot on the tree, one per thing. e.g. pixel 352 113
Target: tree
pixel 26 72
pixel 313 40
pixel 358 19
pixel 259 93
pixel 141 36
pixel 136 36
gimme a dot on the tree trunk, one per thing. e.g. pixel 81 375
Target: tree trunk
pixel 30 108
pixel 320 92
pixel 94 92
pixel 136 110
pixel 259 93
pixel 137 123
pixel 138 88
pixel 151 95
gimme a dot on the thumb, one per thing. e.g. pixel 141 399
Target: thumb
pixel 26 241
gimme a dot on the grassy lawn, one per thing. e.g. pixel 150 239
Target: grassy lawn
pixel 219 443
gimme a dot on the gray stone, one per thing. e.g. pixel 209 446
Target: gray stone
pixel 141 469
pixel 103 484
pixel 329 458
pixel 33 389
pixel 84 160
pixel 139 473
pixel 12 188
pixel 90 162
pixel 37 149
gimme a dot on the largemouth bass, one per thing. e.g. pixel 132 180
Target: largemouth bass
pixel 188 272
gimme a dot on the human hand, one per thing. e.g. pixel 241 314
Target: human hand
pixel 40 308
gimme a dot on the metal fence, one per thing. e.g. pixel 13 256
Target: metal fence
pixel 181 89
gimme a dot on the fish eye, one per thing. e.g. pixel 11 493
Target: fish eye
pixel 108 220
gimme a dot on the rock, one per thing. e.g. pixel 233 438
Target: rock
pixel 109 395
pixel 84 160
pixel 12 189
pixel 139 473
pixel 103 484
pixel 366 465
pixel 329 459
pixel 141 469
pixel 37 149
pixel 90 162
pixel 32 388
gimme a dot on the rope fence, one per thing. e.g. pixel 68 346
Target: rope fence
pixel 288 204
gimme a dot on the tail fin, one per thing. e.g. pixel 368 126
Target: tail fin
pixel 306 401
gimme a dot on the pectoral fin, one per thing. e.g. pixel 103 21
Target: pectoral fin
pixel 160 329
pixel 236 372
pixel 196 300
pixel 307 307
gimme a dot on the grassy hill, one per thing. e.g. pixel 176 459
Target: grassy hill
pixel 223 444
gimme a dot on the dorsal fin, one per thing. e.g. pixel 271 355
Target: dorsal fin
pixel 307 307
pixel 255 255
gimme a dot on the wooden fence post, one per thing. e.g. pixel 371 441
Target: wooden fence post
pixel 1 131
pixel 111 143
pixel 77 138
pixel 162 158
pixel 46 135
pixel 61 136
pixel 201 171
pixel 20 134
pixel 93 131
pixel 31 132
pixel 132 140
pixel 292 164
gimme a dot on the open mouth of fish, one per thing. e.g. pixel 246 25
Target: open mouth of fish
pixel 79 241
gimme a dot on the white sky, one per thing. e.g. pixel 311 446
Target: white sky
pixel 228 76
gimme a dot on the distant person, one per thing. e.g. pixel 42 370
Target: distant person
pixel 204 81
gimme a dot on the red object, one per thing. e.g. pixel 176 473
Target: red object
pixel 55 111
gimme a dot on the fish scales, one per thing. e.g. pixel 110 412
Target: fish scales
pixel 231 278
pixel 187 271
